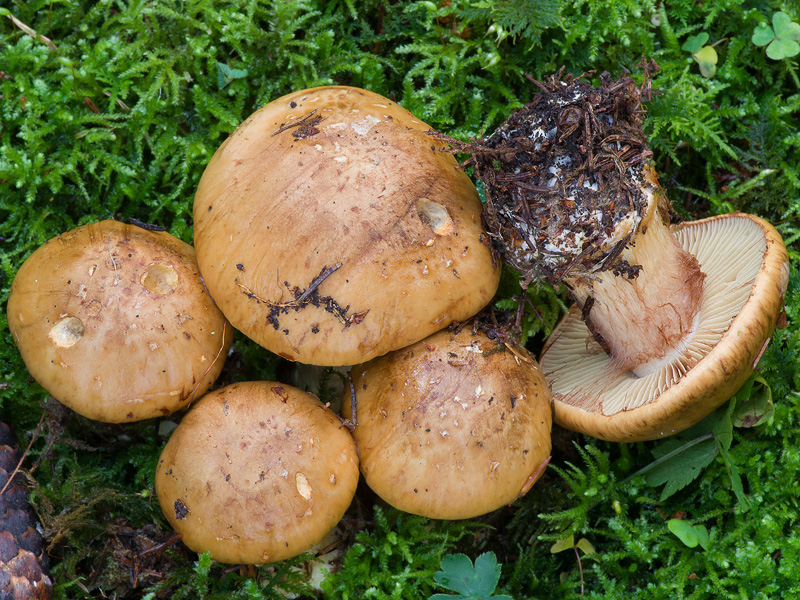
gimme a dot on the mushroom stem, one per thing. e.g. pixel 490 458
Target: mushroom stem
pixel 643 316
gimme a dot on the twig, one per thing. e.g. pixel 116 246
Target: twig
pixel 216 358
pixel 315 283
pixel 161 546
pixel 353 419
pixel 297 302
pixel 24 454
pixel 517 353
pixel 32 32
pixel 297 123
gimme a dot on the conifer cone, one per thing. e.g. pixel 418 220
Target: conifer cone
pixel 23 560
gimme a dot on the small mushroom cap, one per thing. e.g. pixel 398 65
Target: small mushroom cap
pixel 451 427
pixel 256 472
pixel 330 228
pixel 113 321
pixel 747 270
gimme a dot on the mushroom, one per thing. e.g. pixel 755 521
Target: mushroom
pixel 452 427
pixel 256 472
pixel 668 322
pixel 746 271
pixel 113 321
pixel 331 229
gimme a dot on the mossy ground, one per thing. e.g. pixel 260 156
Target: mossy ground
pixel 113 107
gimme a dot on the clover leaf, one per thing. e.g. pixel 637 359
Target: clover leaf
pixel 568 543
pixel 690 535
pixel 226 74
pixel 781 39
pixel 705 56
pixel 470 582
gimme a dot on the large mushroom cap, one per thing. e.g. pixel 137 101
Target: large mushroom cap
pixel 452 427
pixel 746 268
pixel 113 320
pixel 331 229
pixel 256 472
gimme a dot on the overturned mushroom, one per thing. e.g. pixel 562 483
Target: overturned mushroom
pixel 668 321
pixel 330 229
pixel 113 320
pixel 256 472
pixel 452 427
pixel 746 272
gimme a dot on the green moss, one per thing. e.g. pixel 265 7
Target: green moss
pixel 121 114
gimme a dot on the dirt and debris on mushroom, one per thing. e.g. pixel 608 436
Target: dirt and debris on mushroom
pixel 563 176
pixel 304 297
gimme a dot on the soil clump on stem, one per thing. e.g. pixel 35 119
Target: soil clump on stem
pixel 562 176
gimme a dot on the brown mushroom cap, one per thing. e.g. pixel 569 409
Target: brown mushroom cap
pixel 746 267
pixel 451 427
pixel 113 320
pixel 331 229
pixel 256 472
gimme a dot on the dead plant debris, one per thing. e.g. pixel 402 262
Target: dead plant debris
pixel 563 173
pixel 304 297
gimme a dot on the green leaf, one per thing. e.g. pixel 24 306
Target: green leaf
pixel 756 407
pixel 723 427
pixel 690 535
pixel 785 28
pixel 736 480
pixel 780 49
pixel 702 535
pixel 476 582
pixel 586 546
pixel 225 74
pixel 487 574
pixel 684 461
pixel 707 58
pixel 526 18
pixel 762 35
pixel 695 42
pixel 563 544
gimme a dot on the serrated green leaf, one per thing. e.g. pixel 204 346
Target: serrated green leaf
pixel 757 407
pixel 460 597
pixel 780 49
pixel 723 428
pixel 487 574
pixel 695 42
pixel 563 544
pixel 707 58
pixel 762 35
pixel 785 28
pixel 736 480
pixel 474 582
pixel 682 467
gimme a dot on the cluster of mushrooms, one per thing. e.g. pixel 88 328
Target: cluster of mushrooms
pixel 333 229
